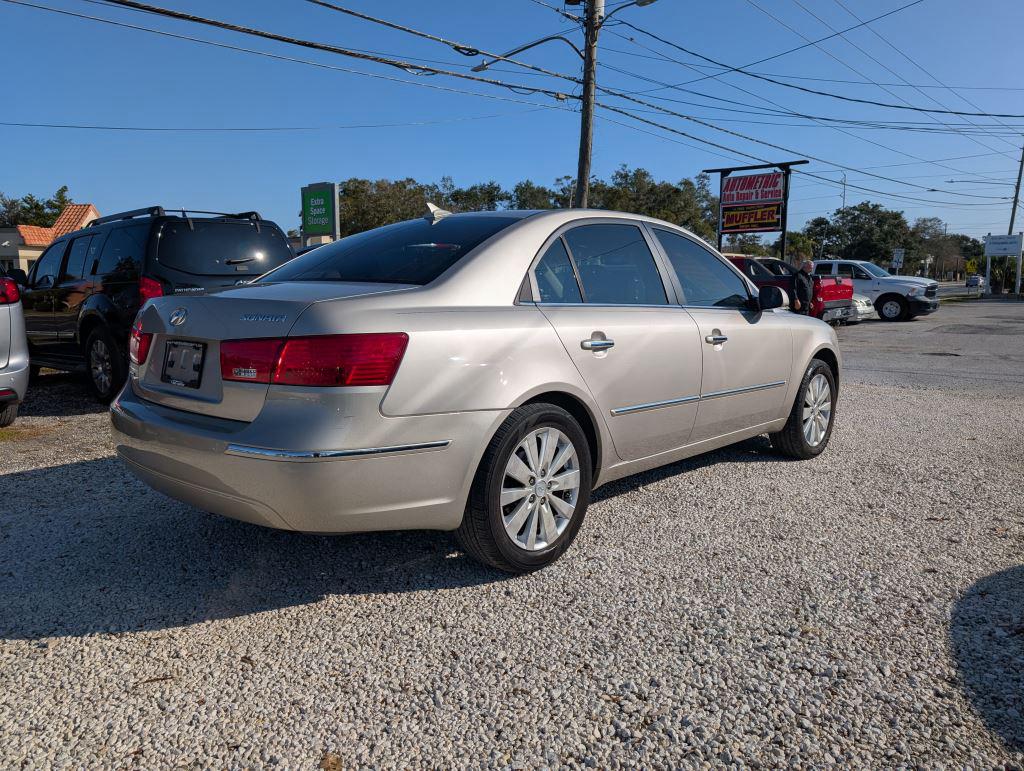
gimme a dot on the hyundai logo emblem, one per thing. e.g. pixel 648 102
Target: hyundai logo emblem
pixel 178 316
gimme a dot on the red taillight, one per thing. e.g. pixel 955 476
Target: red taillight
pixel 249 361
pixel 139 343
pixel 148 289
pixel 329 360
pixel 8 291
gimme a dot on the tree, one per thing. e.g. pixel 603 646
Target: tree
pixel 29 210
pixel 799 247
pixel 528 195
pixel 744 243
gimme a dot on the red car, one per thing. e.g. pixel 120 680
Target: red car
pixel 833 296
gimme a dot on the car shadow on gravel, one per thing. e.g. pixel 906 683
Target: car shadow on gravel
pixel 987 634
pixel 756 450
pixel 85 548
pixel 59 394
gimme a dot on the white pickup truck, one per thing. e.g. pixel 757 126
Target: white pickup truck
pixel 896 298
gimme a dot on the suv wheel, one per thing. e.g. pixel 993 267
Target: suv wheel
pixel 809 427
pixel 107 370
pixel 8 414
pixel 530 493
pixel 892 308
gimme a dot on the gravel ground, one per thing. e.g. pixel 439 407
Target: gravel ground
pixel 863 609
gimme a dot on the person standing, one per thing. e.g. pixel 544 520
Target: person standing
pixel 803 288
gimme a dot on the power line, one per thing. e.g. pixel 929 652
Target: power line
pixel 743 71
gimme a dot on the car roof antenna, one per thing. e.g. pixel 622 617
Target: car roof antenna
pixel 435 213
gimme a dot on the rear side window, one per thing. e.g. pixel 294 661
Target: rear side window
pixel 778 267
pixel 412 252
pixel 824 269
pixel 705 279
pixel 754 269
pixel 123 253
pixel 222 248
pixel 615 265
pixel 47 266
pixel 76 265
pixel 556 280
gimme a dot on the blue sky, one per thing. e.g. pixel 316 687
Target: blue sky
pixel 70 70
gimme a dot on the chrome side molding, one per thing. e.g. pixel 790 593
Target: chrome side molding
pixel 267 453
pixel 713 395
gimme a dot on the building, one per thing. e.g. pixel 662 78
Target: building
pixel 21 245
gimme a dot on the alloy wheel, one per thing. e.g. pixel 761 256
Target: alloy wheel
pixel 540 489
pixel 817 409
pixel 100 366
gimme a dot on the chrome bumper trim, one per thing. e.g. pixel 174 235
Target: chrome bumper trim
pixel 266 453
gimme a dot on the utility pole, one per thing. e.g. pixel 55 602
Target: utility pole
pixel 1013 217
pixel 844 189
pixel 592 25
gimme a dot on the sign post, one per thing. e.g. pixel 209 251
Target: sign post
pixel 897 259
pixel 754 203
pixel 1002 246
pixel 320 211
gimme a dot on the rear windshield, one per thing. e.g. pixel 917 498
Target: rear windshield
pixel 412 252
pixel 218 248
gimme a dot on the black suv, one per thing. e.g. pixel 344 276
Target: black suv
pixel 83 292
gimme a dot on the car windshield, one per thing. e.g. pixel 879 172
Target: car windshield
pixel 874 270
pixel 412 252
pixel 222 248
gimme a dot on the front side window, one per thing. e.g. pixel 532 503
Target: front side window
pixel 615 265
pixel 755 269
pixel 412 252
pixel 556 279
pixel 778 267
pixel 874 270
pixel 705 279
pixel 48 266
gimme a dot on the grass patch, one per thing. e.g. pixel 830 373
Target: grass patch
pixel 16 432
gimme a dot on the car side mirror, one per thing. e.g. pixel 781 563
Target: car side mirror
pixel 19 276
pixel 771 297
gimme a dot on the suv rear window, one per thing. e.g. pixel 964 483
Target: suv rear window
pixel 411 252
pixel 222 248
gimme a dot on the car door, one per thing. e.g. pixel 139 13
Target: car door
pixel 747 354
pixel 73 288
pixel 38 300
pixel 863 282
pixel 600 286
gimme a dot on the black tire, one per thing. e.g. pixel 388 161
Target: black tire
pixel 99 348
pixel 482 533
pixel 8 414
pixel 33 373
pixel 791 440
pixel 887 303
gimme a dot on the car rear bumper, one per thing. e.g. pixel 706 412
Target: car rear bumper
pixel 14 381
pixel 400 473
pixel 921 306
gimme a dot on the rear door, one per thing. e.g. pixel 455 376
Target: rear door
pixel 115 271
pixel 72 290
pixel 600 286
pixel 746 354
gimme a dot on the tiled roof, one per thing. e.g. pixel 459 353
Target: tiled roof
pixel 33 235
pixel 74 216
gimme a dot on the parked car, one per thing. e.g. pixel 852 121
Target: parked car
pixel 14 368
pixel 863 310
pixel 832 300
pixel 86 288
pixel 477 372
pixel 896 298
pixel 975 281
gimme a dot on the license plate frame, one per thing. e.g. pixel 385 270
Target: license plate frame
pixel 181 367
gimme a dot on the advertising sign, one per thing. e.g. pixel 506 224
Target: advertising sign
pixel 752 219
pixel 320 209
pixel 1002 246
pixel 754 188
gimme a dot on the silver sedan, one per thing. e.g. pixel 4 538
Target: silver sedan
pixel 480 373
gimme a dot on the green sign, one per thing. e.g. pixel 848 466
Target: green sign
pixel 319 209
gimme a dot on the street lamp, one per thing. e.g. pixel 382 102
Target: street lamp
pixel 485 64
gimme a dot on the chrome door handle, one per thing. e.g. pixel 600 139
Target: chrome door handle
pixel 596 345
pixel 715 339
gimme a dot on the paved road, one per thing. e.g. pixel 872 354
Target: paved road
pixel 863 609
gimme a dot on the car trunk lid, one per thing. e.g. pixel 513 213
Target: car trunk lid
pixel 182 369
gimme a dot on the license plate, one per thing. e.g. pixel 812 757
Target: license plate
pixel 183 363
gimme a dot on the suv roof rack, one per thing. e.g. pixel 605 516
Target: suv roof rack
pixel 149 211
